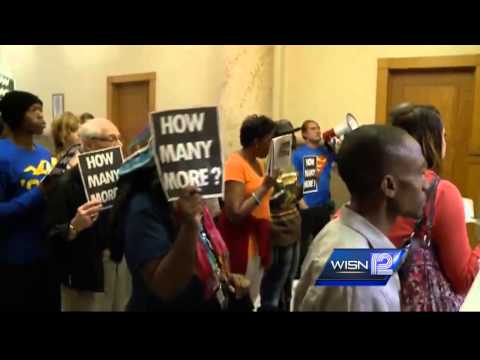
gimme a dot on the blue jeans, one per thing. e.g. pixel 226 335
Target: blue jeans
pixel 276 288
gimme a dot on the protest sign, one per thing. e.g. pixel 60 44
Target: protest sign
pixel 99 173
pixel 310 181
pixel 187 150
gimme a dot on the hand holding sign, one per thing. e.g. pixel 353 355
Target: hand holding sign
pixel 270 181
pixel 189 206
pixel 86 215
pixel 280 154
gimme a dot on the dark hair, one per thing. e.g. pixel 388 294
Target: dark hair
pixel 399 110
pixel 255 127
pixel 14 105
pixel 282 126
pixel 86 116
pixel 424 123
pixel 305 125
pixel 362 175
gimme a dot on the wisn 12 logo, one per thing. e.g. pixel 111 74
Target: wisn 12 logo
pixel 360 267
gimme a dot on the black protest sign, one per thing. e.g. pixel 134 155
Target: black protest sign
pixel 309 174
pixel 99 172
pixel 188 150
pixel 6 85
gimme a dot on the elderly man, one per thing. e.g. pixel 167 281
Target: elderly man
pixel 78 231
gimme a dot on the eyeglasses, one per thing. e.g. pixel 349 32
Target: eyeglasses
pixel 109 138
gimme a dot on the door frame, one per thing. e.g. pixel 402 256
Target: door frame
pixel 386 65
pixel 112 81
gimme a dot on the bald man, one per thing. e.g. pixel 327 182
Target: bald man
pixel 392 185
pixel 78 230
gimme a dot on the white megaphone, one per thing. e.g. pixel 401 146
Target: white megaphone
pixel 331 137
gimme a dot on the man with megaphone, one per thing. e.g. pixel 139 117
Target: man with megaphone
pixel 313 162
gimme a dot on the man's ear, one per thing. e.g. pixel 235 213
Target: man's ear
pixel 389 186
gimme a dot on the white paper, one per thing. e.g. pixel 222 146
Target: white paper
pixel 280 155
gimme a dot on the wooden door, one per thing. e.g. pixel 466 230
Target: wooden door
pixel 451 92
pixel 130 100
pixel 454 91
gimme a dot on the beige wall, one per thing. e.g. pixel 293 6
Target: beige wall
pixel 247 88
pixel 326 82
pixel 186 75
pixel 238 79
pixel 320 82
pixel 294 82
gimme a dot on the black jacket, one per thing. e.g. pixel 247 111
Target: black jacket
pixel 80 262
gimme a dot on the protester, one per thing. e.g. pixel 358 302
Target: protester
pixel 27 274
pixel 316 206
pixel 92 282
pixel 458 261
pixel 245 220
pixel 65 133
pixel 276 288
pixel 380 190
pixel 177 257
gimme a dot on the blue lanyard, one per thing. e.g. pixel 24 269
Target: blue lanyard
pixel 212 259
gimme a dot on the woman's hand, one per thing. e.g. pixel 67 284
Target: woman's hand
pixel 240 284
pixel 270 181
pixel 189 206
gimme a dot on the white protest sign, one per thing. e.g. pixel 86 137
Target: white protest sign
pixel 280 155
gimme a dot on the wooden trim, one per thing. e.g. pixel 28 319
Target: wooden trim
pixel 152 94
pixel 150 77
pixel 433 62
pixel 386 65
pixel 109 98
pixel 474 146
pixel 382 91
pixel 132 78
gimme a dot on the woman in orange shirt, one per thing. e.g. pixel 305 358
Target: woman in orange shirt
pixel 245 220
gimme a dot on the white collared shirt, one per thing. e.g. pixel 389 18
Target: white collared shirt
pixel 352 231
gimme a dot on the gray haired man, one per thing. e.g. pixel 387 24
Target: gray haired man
pixel 79 231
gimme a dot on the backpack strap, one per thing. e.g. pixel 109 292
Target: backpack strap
pixel 427 219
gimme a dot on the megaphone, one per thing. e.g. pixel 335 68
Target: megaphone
pixel 332 136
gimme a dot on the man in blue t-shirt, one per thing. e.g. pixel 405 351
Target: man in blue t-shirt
pixel 313 163
pixel 28 282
